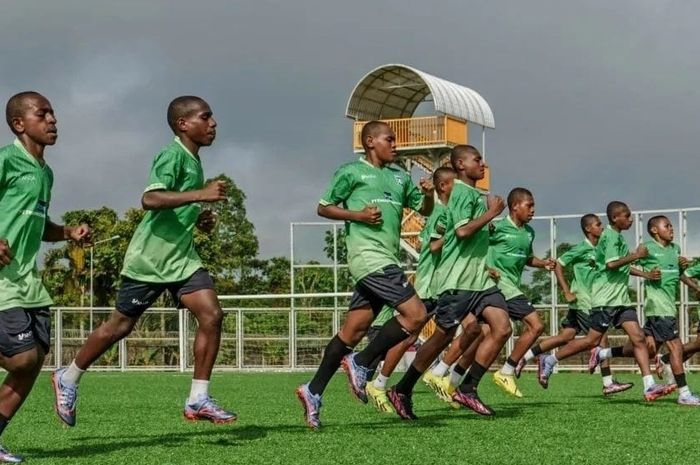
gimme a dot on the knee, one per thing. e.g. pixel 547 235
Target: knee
pixel 213 318
pixel 502 332
pixel 637 339
pixel 118 328
pixel 537 328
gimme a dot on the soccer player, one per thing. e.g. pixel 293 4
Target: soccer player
pixel 661 269
pixel 369 195
pixel 689 278
pixel 161 256
pixel 25 196
pixel 431 245
pixel 464 286
pixel 611 304
pixel 581 258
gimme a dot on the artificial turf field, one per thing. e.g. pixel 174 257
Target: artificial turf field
pixel 135 418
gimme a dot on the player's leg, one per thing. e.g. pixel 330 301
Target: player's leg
pixel 133 299
pixel 199 297
pixel 628 322
pixel 505 377
pixel 496 317
pixel 376 390
pixel 570 326
pixel 610 385
pixel 22 359
pixel 547 363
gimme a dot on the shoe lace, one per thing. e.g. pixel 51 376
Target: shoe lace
pixel 67 395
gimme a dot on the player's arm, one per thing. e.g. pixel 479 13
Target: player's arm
pixel 690 282
pixel 563 283
pixel 54 232
pixel 159 199
pixel 339 190
pixel 428 190
pixel 615 263
pixel 653 275
pixel 5 253
pixel 535 262
pixel 495 206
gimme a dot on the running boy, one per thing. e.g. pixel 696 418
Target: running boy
pixel 162 256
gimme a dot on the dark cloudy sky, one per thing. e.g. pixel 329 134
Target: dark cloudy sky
pixel 593 100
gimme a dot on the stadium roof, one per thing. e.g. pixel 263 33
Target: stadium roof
pixel 395 91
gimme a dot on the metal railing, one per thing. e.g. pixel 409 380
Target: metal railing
pixel 420 132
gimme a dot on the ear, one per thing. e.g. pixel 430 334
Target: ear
pixel 17 124
pixel 182 125
pixel 369 141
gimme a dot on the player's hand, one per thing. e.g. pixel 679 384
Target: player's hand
pixel 426 186
pixel 549 264
pixel 495 204
pixel 207 220
pixel 5 253
pixel 215 191
pixel 371 214
pixel 494 274
pixel 655 274
pixel 80 234
pixel 570 297
pixel 683 262
pixel 641 251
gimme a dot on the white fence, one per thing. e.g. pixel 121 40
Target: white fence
pixel 289 332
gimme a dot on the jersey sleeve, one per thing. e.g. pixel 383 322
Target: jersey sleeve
pixel 609 251
pixel 573 255
pixel 413 197
pixel 693 271
pixel 339 189
pixel 530 252
pixel 164 172
pixel 463 211
pixel 440 225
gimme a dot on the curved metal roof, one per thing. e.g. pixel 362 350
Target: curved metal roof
pixel 395 91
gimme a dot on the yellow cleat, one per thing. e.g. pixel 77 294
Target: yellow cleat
pixel 445 391
pixel 432 381
pixel 507 383
pixel 378 398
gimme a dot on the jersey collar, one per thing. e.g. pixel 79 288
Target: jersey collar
pixel 179 142
pixel 510 220
pixel 17 143
pixel 459 181
pixel 589 242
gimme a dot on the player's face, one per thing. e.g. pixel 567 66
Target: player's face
pixel 445 186
pixel 384 145
pixel 595 228
pixel 37 122
pixel 664 229
pixel 623 219
pixel 524 210
pixel 473 166
pixel 200 125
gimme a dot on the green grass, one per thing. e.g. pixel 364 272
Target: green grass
pixel 136 418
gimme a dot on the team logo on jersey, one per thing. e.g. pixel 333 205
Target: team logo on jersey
pixel 387 195
pixel 26 178
pixel 41 207
pixel 398 179
pixel 367 176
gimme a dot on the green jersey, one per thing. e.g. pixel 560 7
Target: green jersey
pixel 463 261
pixel 610 287
pixel 427 261
pixel 25 195
pixel 693 271
pixel 510 248
pixel 386 314
pixel 582 258
pixel 355 185
pixel 660 296
pixel 162 248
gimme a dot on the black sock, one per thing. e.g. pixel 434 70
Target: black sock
pixel 605 371
pixel 334 353
pixel 617 351
pixel 459 369
pixel 409 380
pixel 3 423
pixel 536 350
pixel 666 358
pixel 391 334
pixel 511 362
pixel 471 381
pixel 680 380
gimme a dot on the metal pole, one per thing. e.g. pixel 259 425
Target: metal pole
pixel 334 323
pixel 292 312
pixel 554 314
pixel 58 342
pixel 92 287
pixel 483 143
pixel 640 288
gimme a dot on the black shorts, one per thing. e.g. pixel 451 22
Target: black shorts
pixel 386 287
pixel 662 328
pixel 453 306
pixel 578 320
pixel 604 317
pixel 134 297
pixel 22 329
pixel 519 307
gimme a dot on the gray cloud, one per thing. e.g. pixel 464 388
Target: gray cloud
pixel 592 102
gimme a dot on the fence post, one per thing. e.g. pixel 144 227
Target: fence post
pixel 182 338
pixel 58 341
pixel 239 338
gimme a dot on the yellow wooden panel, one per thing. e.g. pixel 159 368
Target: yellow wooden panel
pixel 456 131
